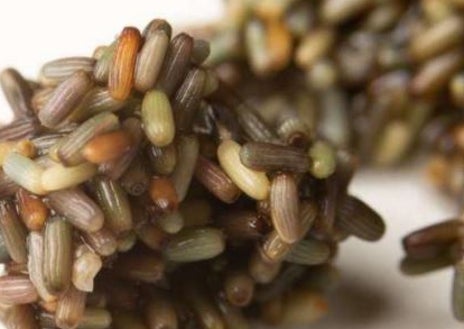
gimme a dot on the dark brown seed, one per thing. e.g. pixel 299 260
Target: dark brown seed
pixel 17 92
pixel 176 63
pixel 216 180
pixel 187 99
pixel 121 75
pixel 242 225
pixel 102 241
pixel 273 157
pixel 441 233
pixel 78 208
pixel 64 100
pixel 20 129
pixel 147 267
pixel 17 289
pixel 357 218
pixel 14 233
pixel 285 208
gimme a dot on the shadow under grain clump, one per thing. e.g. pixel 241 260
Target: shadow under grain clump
pixel 355 303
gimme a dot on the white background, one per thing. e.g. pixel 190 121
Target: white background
pixel 373 294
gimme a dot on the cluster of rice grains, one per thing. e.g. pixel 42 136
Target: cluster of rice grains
pixel 137 192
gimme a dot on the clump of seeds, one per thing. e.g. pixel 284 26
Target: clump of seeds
pixel 138 191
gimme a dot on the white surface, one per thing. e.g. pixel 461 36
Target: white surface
pixel 373 293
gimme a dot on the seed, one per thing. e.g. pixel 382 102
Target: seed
pixel 70 309
pixel 313 47
pixel 187 99
pixel 24 147
pixel 285 208
pixel 261 270
pixel 163 160
pixel 216 180
pixel 394 143
pixel 24 172
pixel 115 169
pixel 233 317
pixel 20 317
pixel 152 236
pixel 95 318
pixel 64 100
pixel 242 225
pixel 308 214
pixel 438 38
pixel 96 101
pixel 194 245
pixel 77 208
pixel 70 148
pixel 273 157
pixel 187 155
pixel 34 266
pixel 338 11
pixel 102 67
pixel 59 177
pixel 256 46
pixel 200 51
pixel 158 119
pixel 323 160
pixel 274 249
pixel 136 178
pixel 115 205
pixel 17 289
pixel 433 75
pixel 171 223
pixel 253 125
pixel 20 129
pixel 445 232
pixel 176 63
pixel 157 25
pixel 239 288
pixel 121 75
pixel 253 183
pixel 355 217
pixel 13 232
pixel 107 147
pixel 7 186
pixel 309 252
pixel 412 266
pixel 160 313
pixel 57 71
pixel 17 92
pixel 102 241
pixel 150 60
pixel 163 193
pixel 147 267
pixel 58 249
pixel 86 266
